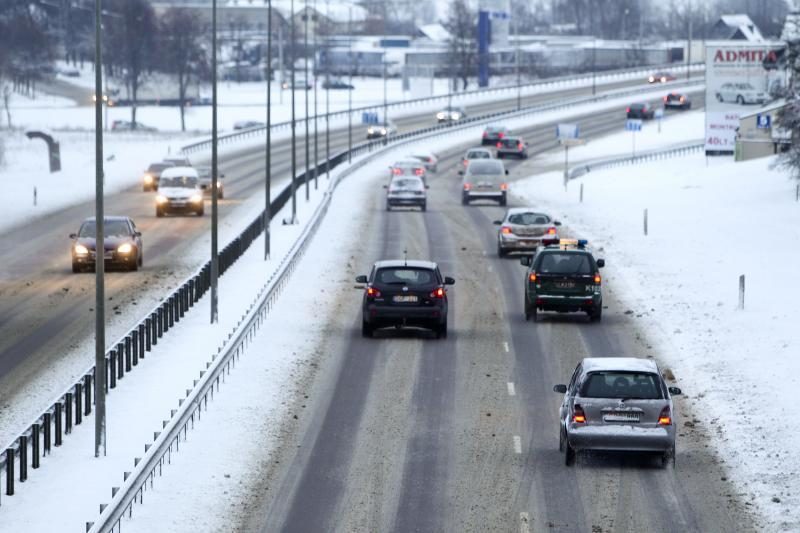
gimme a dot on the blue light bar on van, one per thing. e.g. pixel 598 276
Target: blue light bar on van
pixel 566 243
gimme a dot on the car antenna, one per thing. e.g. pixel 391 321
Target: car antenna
pixel 405 257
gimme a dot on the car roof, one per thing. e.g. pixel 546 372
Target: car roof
pixel 108 217
pixel 414 162
pixel 629 364
pixel 177 172
pixel 413 263
pixel 518 210
pixel 479 149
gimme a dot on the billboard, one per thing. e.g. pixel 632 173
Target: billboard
pixel 736 84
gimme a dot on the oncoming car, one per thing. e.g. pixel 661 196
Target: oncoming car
pixel 381 131
pixel 204 179
pixel 563 276
pixel 152 175
pixel 660 77
pixel 122 244
pixel 451 114
pixel 522 230
pixel 619 404
pixel 484 180
pixel 407 191
pixel 404 293
pixel 179 192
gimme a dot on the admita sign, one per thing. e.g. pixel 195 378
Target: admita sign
pixel 736 83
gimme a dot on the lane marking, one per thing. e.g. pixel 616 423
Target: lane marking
pixel 511 390
pixel 505 347
pixel 524 523
pixel 517 444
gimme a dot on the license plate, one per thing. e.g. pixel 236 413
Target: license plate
pixel 405 299
pixel 621 417
pixel 565 284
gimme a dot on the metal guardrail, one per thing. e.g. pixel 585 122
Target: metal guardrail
pixel 70 407
pixel 455 97
pixel 645 156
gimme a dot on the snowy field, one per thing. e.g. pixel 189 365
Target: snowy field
pixel 709 222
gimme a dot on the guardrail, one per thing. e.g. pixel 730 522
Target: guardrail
pixel 69 408
pixel 645 156
pixel 455 98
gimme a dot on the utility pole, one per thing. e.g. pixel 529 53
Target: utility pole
pixel 350 91
pixel 594 65
pixel 294 121
pixel 314 74
pixel 305 91
pixel 214 168
pixel 268 185
pixel 280 60
pixel 328 102
pixel 99 293
pixel 689 45
pixel 385 102
pixel 516 56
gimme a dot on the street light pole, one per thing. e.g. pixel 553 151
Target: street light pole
pixel 594 65
pixel 516 56
pixel 689 45
pixel 214 168
pixel 316 123
pixel 384 60
pixel 294 121
pixel 327 103
pixel 99 298
pixel 305 91
pixel 268 185
pixel 350 91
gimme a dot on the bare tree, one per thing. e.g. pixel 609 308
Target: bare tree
pixel 461 50
pixel 182 51
pixel 789 116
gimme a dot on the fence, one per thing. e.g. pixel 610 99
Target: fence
pixel 652 155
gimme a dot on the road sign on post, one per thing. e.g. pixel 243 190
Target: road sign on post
pixel 763 122
pixel 633 125
pixel 567 135
pixel 658 115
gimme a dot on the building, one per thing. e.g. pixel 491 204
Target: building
pixel 735 28
pixel 758 134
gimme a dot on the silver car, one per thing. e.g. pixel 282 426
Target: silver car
pixel 407 191
pixel 484 179
pixel 476 153
pixel 429 159
pixel 409 167
pixel 522 230
pixel 204 178
pixel 617 404
pixel 741 93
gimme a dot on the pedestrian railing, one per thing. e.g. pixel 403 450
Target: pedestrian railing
pixel 642 157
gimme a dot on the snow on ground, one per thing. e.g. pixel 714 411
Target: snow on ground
pixel 709 222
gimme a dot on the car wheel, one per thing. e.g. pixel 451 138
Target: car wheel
pixel 388 206
pixel 424 206
pixel 503 200
pixel 441 331
pixel 529 312
pixel 141 259
pixel 740 100
pixel 366 330
pixel 561 439
pixel 569 453
pixel 500 251
pixel 596 315
pixel 500 155
pixel 145 188
pixel 159 212
pixel 719 97
pixel 200 212
pixel 134 265
pixel 666 457
pixel 465 200
pixel 76 268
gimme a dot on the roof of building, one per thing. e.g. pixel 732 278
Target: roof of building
pixel 740 26
pixel 435 32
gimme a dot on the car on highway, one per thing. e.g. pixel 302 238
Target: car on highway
pixel 641 110
pixel 336 83
pixel 122 244
pixel 563 276
pixel 512 146
pixel 408 167
pixel 406 191
pixel 178 161
pixel 127 125
pixel 404 293
pixel 476 153
pixel 429 159
pixel 153 174
pixel 660 77
pixel 247 124
pixel 381 131
pixel 677 101
pixel 300 82
pixel 522 230
pixel 204 179
pixel 741 93
pixel 179 192
pixel 451 114
pixel 484 180
pixel 492 134
pixel 617 404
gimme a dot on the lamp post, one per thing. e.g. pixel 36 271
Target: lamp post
pixel 294 121
pixel 594 65
pixel 214 168
pixel 316 124
pixel 268 162
pixel 350 92
pixel 328 105
pixel 305 68
pixel 516 56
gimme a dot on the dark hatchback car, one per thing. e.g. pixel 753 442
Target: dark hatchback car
pixel 677 101
pixel 641 110
pixel 402 293
pixel 493 134
pixel 122 243
pixel 152 175
pixel 563 276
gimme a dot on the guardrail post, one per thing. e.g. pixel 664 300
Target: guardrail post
pixel 68 413
pixel 35 448
pixel 87 391
pixel 57 414
pixel 171 311
pixel 128 353
pixel 159 322
pixel 78 401
pixel 47 424
pixel 120 360
pixel 645 222
pixel 191 292
pixel 741 291
pixel 10 471
pixel 112 369
pixel 23 458
pixel 108 373
pixel 154 323
pixel 135 346
pixel 141 341
pixel 148 328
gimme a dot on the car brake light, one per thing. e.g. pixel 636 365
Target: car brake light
pixel 665 99
pixel 467 186
pixel 505 230
pixel 499 145
pixel 504 186
pixel 438 293
pixel 501 135
pixel 532 277
pixel 665 418
pixel 519 146
pixel 396 171
pixel 466 162
pixel 373 292
pixel 578 416
pixel 485 134
pixel 628 110
pixel 419 171
pixel 597 279
pixel 551 231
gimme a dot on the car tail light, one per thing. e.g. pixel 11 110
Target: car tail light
pixel 597 279
pixel 373 292
pixel 499 145
pixel 665 99
pixel 683 99
pixel 505 230
pixel 396 171
pixel 467 186
pixel 501 135
pixel 551 231
pixel 466 162
pixel 532 277
pixel 665 418
pixel 485 134
pixel 438 293
pixel 519 146
pixel 429 160
pixel 419 171
pixel 578 416
pixel 504 186
pixel 628 110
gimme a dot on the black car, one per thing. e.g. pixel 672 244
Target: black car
pixel 122 244
pixel 336 83
pixel 403 293
pixel 641 110
pixel 677 101
pixel 152 175
pixel 493 134
pixel 563 276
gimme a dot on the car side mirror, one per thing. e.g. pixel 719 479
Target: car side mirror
pixel 361 279
pixel 525 260
pixel 449 281
pixel 385 186
pixel 675 391
pixel 560 388
pixel 506 172
pixel 556 222
pixel 73 235
pixel 601 263
pixel 497 222
pixel 137 233
pixel 460 172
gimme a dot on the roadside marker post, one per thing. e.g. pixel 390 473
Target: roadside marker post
pixel 741 292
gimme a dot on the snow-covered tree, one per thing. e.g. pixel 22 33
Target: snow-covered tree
pixel 789 116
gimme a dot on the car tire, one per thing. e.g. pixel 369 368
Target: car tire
pixel 441 331
pixel 719 98
pixel 159 212
pixel 667 457
pixel 569 453
pixel 596 315
pixel 740 100
pixel 530 311
pixel 503 200
pixel 76 268
pixel 200 212
pixel 500 156
pixel 423 206
pixel 367 330
pixel 562 438
pixel 464 200
pixel 500 252
pixel 134 266
pixel 141 259
pixel 145 188
pixel 388 206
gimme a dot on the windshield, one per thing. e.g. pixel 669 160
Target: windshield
pixel 189 182
pixel 485 168
pixel 113 228
pixel 479 154
pixel 510 143
pixel 158 167
pixel 565 263
pixel 526 219
pixel 405 276
pixel 621 384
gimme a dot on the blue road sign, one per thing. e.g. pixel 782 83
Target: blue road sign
pixel 763 122
pixel 633 124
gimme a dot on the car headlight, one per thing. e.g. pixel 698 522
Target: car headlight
pixel 383 131
pixel 160 199
pixel 125 248
pixel 455 116
pixel 196 198
pixel 370 131
pixel 148 178
pixel 440 116
pixel 81 249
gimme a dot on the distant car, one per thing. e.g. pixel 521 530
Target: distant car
pixel 563 276
pixel 408 167
pixel 127 125
pixel 484 180
pixel 641 110
pixel 336 83
pixel 522 230
pixel 380 131
pixel 660 77
pixel 617 404
pixel 247 124
pixel 512 146
pixel 451 114
pixel 178 161
pixel 492 134
pixel 741 93
pixel 404 293
pixel 152 175
pixel 677 101
pixel 179 192
pixel 429 159
pixel 122 244
pixel 204 178
pixel 476 153
pixel 300 82
pixel 406 191
pixel 70 72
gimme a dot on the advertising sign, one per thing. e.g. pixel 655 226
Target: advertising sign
pixel 567 131
pixel 736 83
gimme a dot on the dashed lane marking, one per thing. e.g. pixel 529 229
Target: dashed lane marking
pixel 511 390
pixel 505 347
pixel 517 444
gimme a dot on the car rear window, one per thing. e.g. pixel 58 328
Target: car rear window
pixel 638 106
pixel 485 167
pixel 479 154
pixel 526 219
pixel 510 143
pixel 411 277
pixel 622 384
pixel 112 228
pixel 564 263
